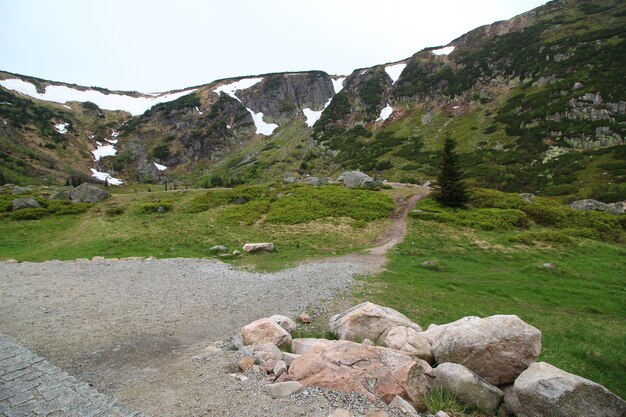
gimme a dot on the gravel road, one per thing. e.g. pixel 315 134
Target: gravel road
pixel 138 329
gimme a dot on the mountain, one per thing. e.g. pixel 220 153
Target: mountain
pixel 536 103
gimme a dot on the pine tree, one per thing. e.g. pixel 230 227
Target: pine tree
pixel 451 191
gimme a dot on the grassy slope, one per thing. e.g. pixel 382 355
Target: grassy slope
pixel 579 306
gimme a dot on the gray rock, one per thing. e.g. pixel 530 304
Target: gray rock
pixel 88 193
pixel 545 390
pixel 442 413
pixel 510 404
pixel 283 389
pixel 288 358
pixel 218 249
pixel 527 197
pixel 615 208
pixel 467 387
pixel 353 179
pixel 280 368
pixel 284 322
pixel 549 265
pixel 315 181
pixel 161 209
pixel 588 204
pixel 22 203
pixel 258 247
pixel 409 340
pixel 21 190
pixel 403 405
pixel 63 195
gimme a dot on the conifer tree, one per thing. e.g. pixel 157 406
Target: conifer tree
pixel 451 191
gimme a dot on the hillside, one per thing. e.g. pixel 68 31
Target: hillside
pixel 537 103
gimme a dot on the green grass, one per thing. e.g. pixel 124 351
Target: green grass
pixel 579 306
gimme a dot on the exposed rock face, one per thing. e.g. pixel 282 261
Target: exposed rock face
pixel 368 321
pixel 258 247
pixel 265 331
pixel 589 204
pixel 498 348
pixel 369 370
pixel 88 193
pixel 353 179
pixel 22 203
pixel 409 340
pixel 467 387
pixel 545 390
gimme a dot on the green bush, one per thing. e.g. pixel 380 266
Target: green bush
pixel 481 219
pixel 208 200
pixel 29 214
pixel 483 198
pixel 247 213
pixel 114 211
pixel 66 207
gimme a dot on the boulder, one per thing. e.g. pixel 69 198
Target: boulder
pixel 353 179
pixel 284 322
pixel 283 389
pixel 88 193
pixel 588 204
pixel 246 363
pixel 403 405
pixel 614 208
pixel 409 340
pixel 258 247
pixel 288 358
pixel 545 390
pixel 368 321
pixel 510 405
pixel 265 331
pixel 63 195
pixel 22 203
pixel 21 190
pixel 279 369
pixel 467 387
pixel 304 318
pixel 300 346
pixel 373 371
pixel 498 348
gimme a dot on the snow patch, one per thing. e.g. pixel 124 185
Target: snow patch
pixel 338 84
pixel 62 94
pixel 313 116
pixel 62 128
pixel 229 127
pixel 103 176
pixel 394 71
pixel 67 107
pixel 103 150
pixel 443 51
pixel 160 167
pixel 198 110
pixel 232 88
pixel 262 127
pixel 385 113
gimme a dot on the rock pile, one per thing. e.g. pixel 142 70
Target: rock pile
pixel 483 362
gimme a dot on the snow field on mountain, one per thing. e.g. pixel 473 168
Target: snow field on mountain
pixel 394 71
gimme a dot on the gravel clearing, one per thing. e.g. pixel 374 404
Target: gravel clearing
pixel 138 329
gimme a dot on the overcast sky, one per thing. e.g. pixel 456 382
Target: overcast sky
pixel 157 45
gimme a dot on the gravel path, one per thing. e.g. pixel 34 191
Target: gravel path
pixel 138 329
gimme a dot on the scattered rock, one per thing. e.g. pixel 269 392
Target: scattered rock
pixel 368 321
pixel 369 370
pixel 314 181
pixel 22 203
pixel 98 259
pixel 284 322
pixel 340 412
pixel 353 179
pixel 301 346
pixel 63 195
pixel 280 368
pixel 408 340
pixel 218 249
pixel 88 193
pixel 254 247
pixel 467 387
pixel 545 390
pixel 430 264
pixel 403 405
pixel 304 318
pixel 265 331
pixel 21 190
pixel 288 358
pixel 498 348
pixel 283 389
pixel 161 209
pixel 211 350
pixel 614 208
pixel 246 363
pixel 236 252
pixel 549 265
pixel 266 354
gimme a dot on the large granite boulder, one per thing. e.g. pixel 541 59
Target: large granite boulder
pixel 369 370
pixel 368 321
pixel 409 340
pixel 22 203
pixel 498 348
pixel 353 179
pixel 545 390
pixel 467 387
pixel 88 193
pixel 265 331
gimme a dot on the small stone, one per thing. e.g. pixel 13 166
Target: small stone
pixel 284 322
pixel 283 389
pixel 218 249
pixel 246 363
pixel 549 265
pixel 236 252
pixel 212 350
pixel 288 358
pixel 279 369
pixel 304 318
pixel 402 405
pixel 161 209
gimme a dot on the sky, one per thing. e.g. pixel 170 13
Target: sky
pixel 157 45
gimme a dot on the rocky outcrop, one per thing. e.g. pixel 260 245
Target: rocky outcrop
pixel 22 203
pixel 498 348
pixel 467 387
pixel 545 390
pixel 409 340
pixel 352 179
pixel 88 193
pixel 589 204
pixel 265 331
pixel 368 321
pixel 369 370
